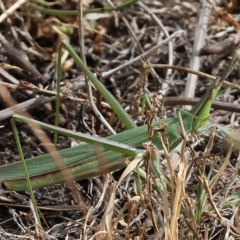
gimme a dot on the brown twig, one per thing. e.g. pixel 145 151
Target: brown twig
pixel 200 74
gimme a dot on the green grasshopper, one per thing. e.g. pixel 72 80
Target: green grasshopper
pixel 83 162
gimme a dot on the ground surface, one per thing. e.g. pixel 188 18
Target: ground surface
pixel 29 42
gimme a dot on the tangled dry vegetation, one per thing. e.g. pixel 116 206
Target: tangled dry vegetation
pixel 202 200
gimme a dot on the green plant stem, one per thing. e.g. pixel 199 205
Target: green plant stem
pixel 29 184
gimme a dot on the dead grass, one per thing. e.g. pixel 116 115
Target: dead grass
pixel 190 193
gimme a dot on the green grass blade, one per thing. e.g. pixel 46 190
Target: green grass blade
pixel 103 142
pixel 25 169
pixel 117 108
pixel 58 102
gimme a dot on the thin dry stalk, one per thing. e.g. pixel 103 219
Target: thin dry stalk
pixel 106 223
pixel 12 9
pixel 207 151
pixel 221 169
pixel 211 201
pixel 180 183
pixel 200 74
pixel 88 83
pixel 170 45
pixel 166 210
pixel 150 155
